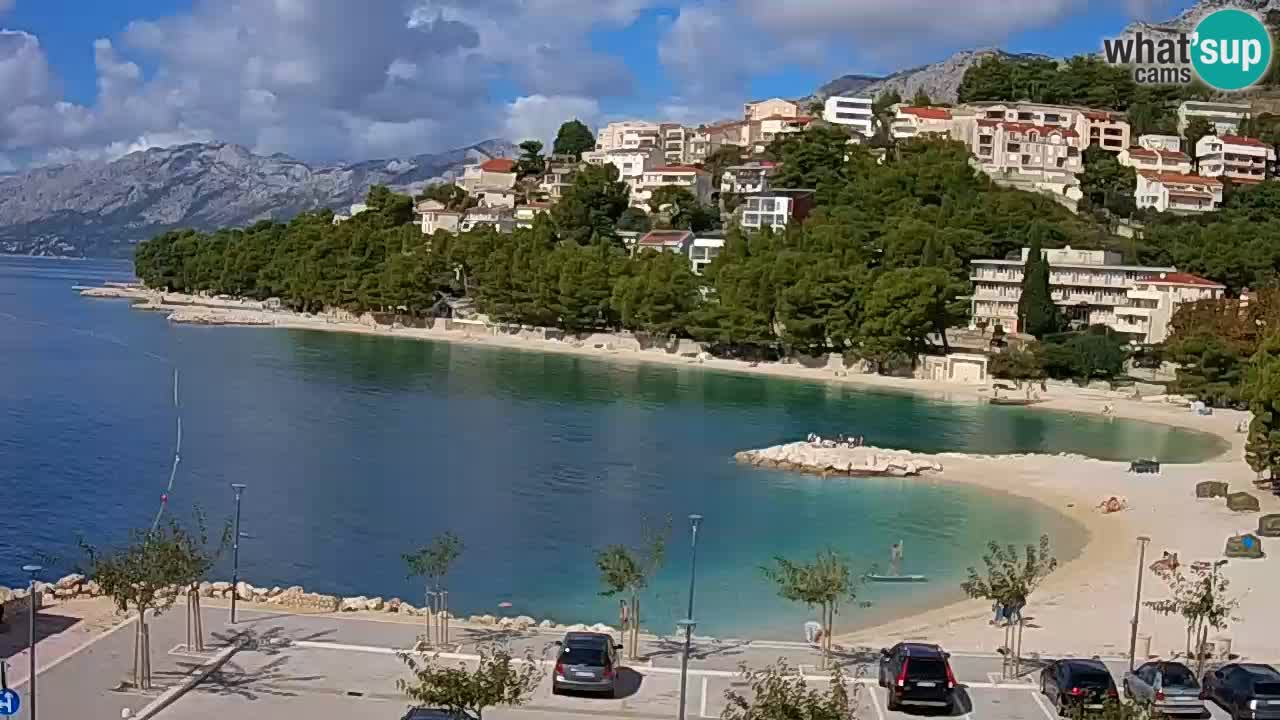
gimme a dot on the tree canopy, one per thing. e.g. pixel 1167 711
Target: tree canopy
pixel 574 138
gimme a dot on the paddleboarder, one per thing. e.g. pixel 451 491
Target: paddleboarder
pixel 895 558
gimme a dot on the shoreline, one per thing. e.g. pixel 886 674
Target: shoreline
pixel 1068 485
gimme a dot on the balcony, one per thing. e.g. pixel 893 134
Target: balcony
pixel 1128 327
pixel 1141 312
pixel 997 277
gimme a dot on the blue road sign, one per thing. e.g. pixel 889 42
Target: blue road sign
pixel 9 702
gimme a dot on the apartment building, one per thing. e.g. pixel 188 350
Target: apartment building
pixel 775 208
pixel 497 174
pixel 748 178
pixel 910 122
pixel 854 113
pixel 433 216
pixel 1178 193
pixel 675 241
pixel 709 138
pixel 1242 159
pixel 1094 127
pixel 1225 117
pixel 1107 130
pixel 631 163
pixel 1049 152
pixel 702 250
pixel 695 180
pixel 558 178
pixel 764 131
pixel 1172 143
pixel 761 109
pixel 628 135
pixel 1087 285
pixel 1154 298
pixel 1156 160
pixel 675 143
pixel 525 214
pixel 499 218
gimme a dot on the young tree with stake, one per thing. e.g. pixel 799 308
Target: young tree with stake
pixel 432 563
pixel 778 692
pixel 824 584
pixel 1200 598
pixel 1010 579
pixel 497 680
pixel 627 570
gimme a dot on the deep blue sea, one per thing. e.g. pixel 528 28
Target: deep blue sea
pixel 357 449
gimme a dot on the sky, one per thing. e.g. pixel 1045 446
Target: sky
pixel 349 80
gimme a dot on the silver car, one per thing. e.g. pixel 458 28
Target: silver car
pixel 587 662
pixel 1169 688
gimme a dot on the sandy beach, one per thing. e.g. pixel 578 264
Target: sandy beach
pixel 1086 606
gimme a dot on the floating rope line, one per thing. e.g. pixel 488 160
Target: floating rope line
pixel 177 455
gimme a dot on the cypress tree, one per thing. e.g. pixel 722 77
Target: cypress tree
pixel 1037 315
pixel 929 254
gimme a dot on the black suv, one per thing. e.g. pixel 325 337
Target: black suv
pixel 1072 683
pixel 917 674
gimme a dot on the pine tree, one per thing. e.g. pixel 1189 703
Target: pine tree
pixel 1037 315
pixel 929 255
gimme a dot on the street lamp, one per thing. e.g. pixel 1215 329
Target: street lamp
pixel 33 599
pixel 688 623
pixel 1137 600
pixel 235 553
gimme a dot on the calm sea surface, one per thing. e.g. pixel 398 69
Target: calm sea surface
pixel 357 449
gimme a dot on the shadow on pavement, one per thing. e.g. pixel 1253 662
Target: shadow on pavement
pixel 961 705
pixel 625 685
pixel 668 647
pixel 13 633
pixel 272 679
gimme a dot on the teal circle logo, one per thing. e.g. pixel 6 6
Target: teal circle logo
pixel 1231 49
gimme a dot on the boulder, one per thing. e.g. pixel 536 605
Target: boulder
pixel 1244 546
pixel 70 582
pixel 485 620
pixel 5 594
pixel 244 591
pixel 393 605
pixel 355 604
pixel 407 609
pixel 91 588
pixel 602 628
pixel 275 591
pixel 1211 489
pixel 221 586
pixel 576 627
pixel 64 593
pixel 546 624
pixel 1243 502
pixel 1269 526
pixel 206 589
pixel 296 598
pixel 507 623
pixel 375 604
pixel 524 622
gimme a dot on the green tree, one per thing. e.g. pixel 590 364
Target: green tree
pixel 531 163
pixel 778 692
pixel 680 208
pixel 902 309
pixel 1107 184
pixel 574 138
pixel 633 219
pixel 1262 388
pixel 825 583
pixel 625 570
pixel 589 210
pixel 1009 580
pixel 1037 314
pixel 1018 364
pixel 148 573
pixel 1197 128
pixel 1200 597
pixel 432 563
pixel 921 98
pixel 1095 354
pixel 658 294
pixel 498 680
pixel 450 195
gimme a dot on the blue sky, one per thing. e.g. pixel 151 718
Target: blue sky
pixel 83 79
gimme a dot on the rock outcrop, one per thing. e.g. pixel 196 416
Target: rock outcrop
pixel 847 461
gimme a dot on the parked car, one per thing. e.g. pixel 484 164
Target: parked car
pixel 1249 691
pixel 1169 688
pixel 588 662
pixel 1072 683
pixel 917 674
pixel 421 713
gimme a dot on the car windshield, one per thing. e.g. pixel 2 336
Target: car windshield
pixel 578 655
pixel 1178 676
pixel 926 669
pixel 1090 679
pixel 1267 687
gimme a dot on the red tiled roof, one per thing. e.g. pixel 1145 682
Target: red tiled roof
pixel 1098 115
pixel 1176 155
pixel 678 168
pixel 1181 179
pixel 665 237
pixel 1180 278
pixel 1245 180
pixel 1242 140
pixel 927 113
pixel 499 165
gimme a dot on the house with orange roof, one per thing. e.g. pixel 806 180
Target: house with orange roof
pixel 773 107
pixel 1242 159
pixel 1156 160
pixel 1154 298
pixel 1178 192
pixel 913 121
pixel 495 175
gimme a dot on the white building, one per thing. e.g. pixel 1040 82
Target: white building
pixel 1177 192
pixel 1154 298
pixel 752 177
pixel 1172 143
pixel 1156 160
pixel 851 112
pixel 1093 127
pixel 772 107
pixel 524 214
pixel 1223 116
pixel 775 208
pixel 631 164
pixel 696 180
pixel 911 122
pixel 1048 151
pixel 495 174
pixel 709 138
pixel 433 216
pixel 1242 159
pixel 628 135
pixel 703 250
pixel 1087 285
pixel 557 179
pixel 675 241
pixel 500 218
pixel 676 143
pixel 764 131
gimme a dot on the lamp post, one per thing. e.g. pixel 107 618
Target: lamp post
pixel 34 600
pixel 1137 600
pixel 235 553
pixel 688 623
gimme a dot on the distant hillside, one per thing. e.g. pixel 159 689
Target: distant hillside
pixel 940 80
pixel 104 208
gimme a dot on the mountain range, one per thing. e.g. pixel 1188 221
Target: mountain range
pixel 103 208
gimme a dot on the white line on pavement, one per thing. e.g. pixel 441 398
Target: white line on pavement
pixel 702 710
pixel 196 677
pixel 76 651
pixel 875 703
pixel 1044 708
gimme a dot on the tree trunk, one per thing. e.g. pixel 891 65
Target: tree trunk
pixel 635 627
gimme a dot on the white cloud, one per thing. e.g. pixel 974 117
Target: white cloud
pixel 538 117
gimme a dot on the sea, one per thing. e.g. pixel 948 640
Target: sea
pixel 355 450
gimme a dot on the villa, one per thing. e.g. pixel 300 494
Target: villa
pixel 1156 160
pixel 1241 159
pixel 1225 117
pixel 852 112
pixel 696 180
pixel 1178 192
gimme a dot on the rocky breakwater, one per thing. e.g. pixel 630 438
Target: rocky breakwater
pixel 815 459
pixel 211 316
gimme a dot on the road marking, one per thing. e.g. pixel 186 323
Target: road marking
pixel 875 702
pixel 702 710
pixel 196 677
pixel 1044 708
pixel 75 651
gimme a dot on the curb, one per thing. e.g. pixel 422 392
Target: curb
pixel 168 697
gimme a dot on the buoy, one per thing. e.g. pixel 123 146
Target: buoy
pixel 504 604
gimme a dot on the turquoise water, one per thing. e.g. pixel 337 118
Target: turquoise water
pixel 356 449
